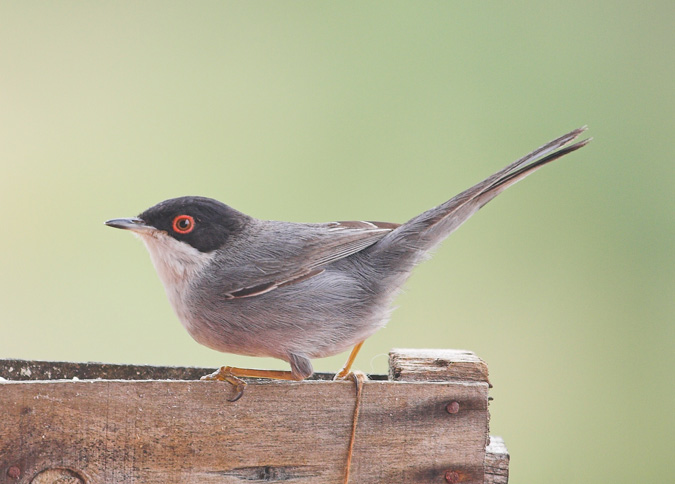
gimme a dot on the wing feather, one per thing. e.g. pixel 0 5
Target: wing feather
pixel 292 256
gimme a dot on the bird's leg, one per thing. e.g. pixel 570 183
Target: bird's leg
pixel 234 377
pixel 342 374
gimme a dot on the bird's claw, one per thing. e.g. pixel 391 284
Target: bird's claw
pixel 358 376
pixel 342 374
pixel 224 373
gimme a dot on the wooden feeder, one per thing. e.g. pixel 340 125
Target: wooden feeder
pixel 71 423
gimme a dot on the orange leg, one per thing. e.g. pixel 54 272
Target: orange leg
pixel 233 376
pixel 342 374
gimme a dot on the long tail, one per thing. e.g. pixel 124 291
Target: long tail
pixel 412 240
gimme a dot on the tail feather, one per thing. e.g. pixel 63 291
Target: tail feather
pixel 423 232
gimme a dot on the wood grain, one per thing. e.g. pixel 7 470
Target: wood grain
pixel 180 431
pixel 436 365
pixel 24 370
pixel 496 462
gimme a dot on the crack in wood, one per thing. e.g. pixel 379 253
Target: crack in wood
pixel 271 473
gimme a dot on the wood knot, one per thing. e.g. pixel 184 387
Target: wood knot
pixel 58 476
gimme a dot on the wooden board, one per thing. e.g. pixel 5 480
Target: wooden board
pixel 496 462
pixel 186 431
pixel 436 365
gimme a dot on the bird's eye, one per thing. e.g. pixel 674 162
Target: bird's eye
pixel 183 224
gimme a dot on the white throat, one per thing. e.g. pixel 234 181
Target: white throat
pixel 177 265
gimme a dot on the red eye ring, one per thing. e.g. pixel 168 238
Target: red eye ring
pixel 183 224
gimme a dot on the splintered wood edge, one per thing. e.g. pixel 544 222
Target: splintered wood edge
pixel 436 365
pixel 496 462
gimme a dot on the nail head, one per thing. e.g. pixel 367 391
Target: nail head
pixel 452 477
pixel 452 407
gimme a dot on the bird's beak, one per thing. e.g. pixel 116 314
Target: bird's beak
pixel 133 224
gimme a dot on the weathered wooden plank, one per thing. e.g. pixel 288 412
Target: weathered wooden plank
pixel 67 370
pixel 111 431
pixel 436 365
pixel 496 462
pixel 404 365
pixel 496 471
pixel 24 370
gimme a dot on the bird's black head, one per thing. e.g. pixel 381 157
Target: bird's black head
pixel 204 223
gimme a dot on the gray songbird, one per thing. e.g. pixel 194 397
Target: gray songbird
pixel 297 291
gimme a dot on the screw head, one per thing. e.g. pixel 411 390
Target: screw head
pixel 14 472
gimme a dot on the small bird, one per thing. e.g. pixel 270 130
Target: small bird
pixel 298 291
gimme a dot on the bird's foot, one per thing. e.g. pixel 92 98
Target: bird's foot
pixel 224 373
pixel 345 372
pixel 358 376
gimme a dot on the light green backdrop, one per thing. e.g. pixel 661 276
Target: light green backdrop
pixel 313 111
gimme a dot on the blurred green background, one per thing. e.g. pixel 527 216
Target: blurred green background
pixel 309 111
